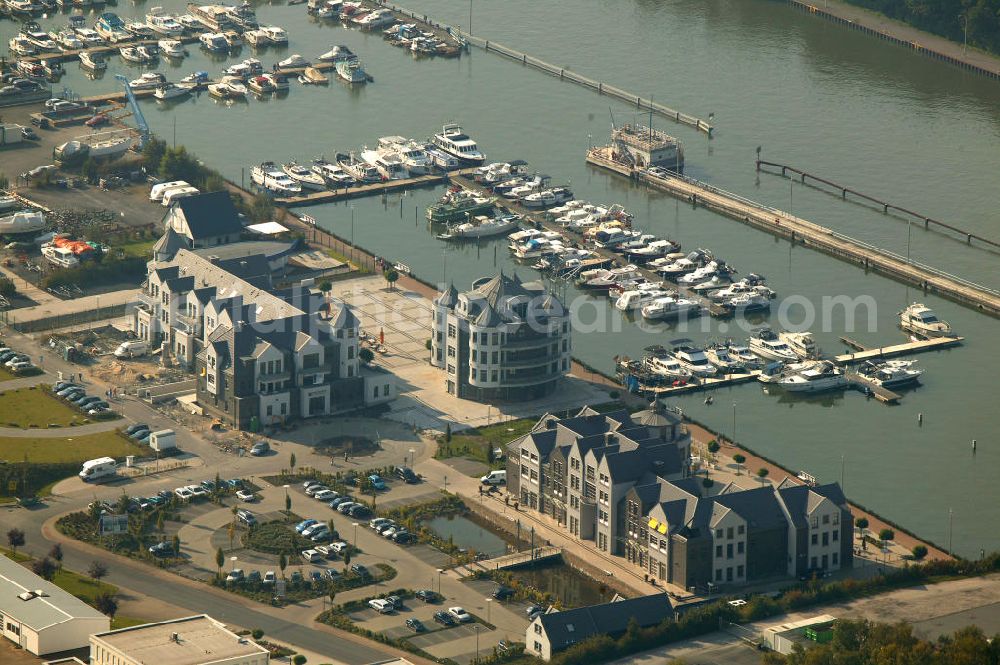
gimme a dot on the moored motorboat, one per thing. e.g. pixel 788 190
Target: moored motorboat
pixel 230 87
pixel 819 376
pixel 766 344
pixel 351 71
pixel 692 358
pixel 891 374
pixel 172 48
pixel 669 308
pixel 336 54
pixel 164 24
pixel 313 76
pixel 803 344
pixel 93 61
pixel 167 91
pixel 921 320
pixel 454 141
pixel 303 175
pixel 271 178
pixel 481 227
pixel 295 61
pixel 148 81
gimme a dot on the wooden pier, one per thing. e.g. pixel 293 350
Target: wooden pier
pixel 607 256
pixel 894 350
pixel 371 189
pixel 886 207
pixel 806 233
pixel 866 385
pixel 696 384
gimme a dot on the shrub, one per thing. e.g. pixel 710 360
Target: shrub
pixel 919 552
pixel 886 534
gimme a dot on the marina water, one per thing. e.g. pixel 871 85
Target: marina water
pixel 827 100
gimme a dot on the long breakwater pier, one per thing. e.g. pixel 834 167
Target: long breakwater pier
pixel 806 233
pixel 805 178
pixel 564 74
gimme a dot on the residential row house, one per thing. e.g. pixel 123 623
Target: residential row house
pixel 261 355
pixel 622 481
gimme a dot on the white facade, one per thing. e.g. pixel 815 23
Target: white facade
pixel 729 547
pixel 195 640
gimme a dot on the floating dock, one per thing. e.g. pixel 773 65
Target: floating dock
pixel 698 385
pixel 866 385
pixel 809 234
pixel 371 189
pixel 894 350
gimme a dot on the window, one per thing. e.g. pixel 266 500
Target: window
pixel 718 551
pixel 718 533
pixel 350 370
pixel 451 330
pixel 538 629
pixel 813 563
pixel 524 471
pixel 496 338
pixel 350 352
pixel 826 539
pixel 729 574
pixel 718 574
pixel 729 532
pixel 815 539
pixel 270 410
pixel 739 571
pixel 814 522
pixel 826 519
pixel 385 390
pixel 741 529
pixel 534 457
pixel 835 559
pixel 496 357
pixel 284 408
pixel 525 452
pixel 739 547
pixel 729 550
pixel 836 536
pixel 538 645
pixel 494 376
pixel 836 518
pixel 310 360
pixel 375 392
pixel 473 373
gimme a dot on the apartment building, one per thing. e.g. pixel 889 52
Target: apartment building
pixel 204 220
pixel 578 469
pixel 503 340
pixel 261 355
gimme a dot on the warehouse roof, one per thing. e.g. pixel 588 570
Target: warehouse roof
pixel 35 602
pixel 188 641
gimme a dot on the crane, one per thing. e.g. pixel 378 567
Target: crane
pixel 140 119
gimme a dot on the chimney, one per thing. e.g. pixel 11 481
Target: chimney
pixel 550 423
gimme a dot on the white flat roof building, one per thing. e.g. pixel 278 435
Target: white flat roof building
pixel 194 640
pixel 39 616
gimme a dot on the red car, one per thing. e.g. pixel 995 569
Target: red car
pixel 98 120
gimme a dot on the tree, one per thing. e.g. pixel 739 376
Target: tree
pixel 347 557
pixel 919 552
pixel 332 593
pixel 7 288
pixel 106 603
pixel 739 459
pixel 447 432
pixel 256 633
pixel 56 553
pixel 220 560
pixel 326 286
pixel 282 564
pixel 288 502
pixel 261 209
pixel 159 521
pixel 332 528
pixel 152 152
pixel 366 355
pixel 15 539
pixel 713 446
pixel 177 545
pixel 291 462
pixel 231 532
pixel 762 473
pixel 121 506
pixel 44 568
pixel 862 524
pixel 391 275
pixel 886 534
pixel 299 659
pixel 214 183
pixel 97 571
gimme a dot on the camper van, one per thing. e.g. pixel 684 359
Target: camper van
pixel 132 349
pixel 157 192
pixel 98 469
pixel 177 193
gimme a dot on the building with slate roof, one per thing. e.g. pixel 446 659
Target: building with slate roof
pixel 204 220
pixel 40 617
pixel 261 355
pixel 503 340
pixel 553 632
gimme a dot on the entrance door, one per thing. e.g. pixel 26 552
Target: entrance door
pixel 317 405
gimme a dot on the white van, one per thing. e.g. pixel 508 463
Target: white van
pixel 96 469
pixel 158 190
pixel 132 349
pixel 178 193
pixel 494 478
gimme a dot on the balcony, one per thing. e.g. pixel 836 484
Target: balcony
pixel 150 302
pixel 191 324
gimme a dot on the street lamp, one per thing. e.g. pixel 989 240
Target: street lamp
pixel 355 525
pixel 352 231
pixel 233 559
pixel 476 626
pixel 440 570
pixel 489 604
pixel 286 498
pixel 412 453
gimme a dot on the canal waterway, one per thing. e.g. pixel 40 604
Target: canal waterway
pixel 830 101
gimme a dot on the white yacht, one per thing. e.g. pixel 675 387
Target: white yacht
pixel 167 91
pixel 802 343
pixel 359 170
pixel 23 221
pixel 62 257
pixel 819 376
pixel 213 41
pixel 457 143
pixel 164 24
pixel 669 308
pixel 275 35
pixel 744 355
pixel 412 154
pixel 93 61
pixel 257 38
pixel 699 274
pixel 303 175
pixel 891 373
pixel 38 37
pixel 769 346
pixel 386 162
pixel 140 30
pixel 678 268
pixel 148 81
pixel 172 48
pixel 111 27
pixel 720 356
pixel 230 87
pixel 295 61
pixel 921 320
pixel 351 71
pixel 336 54
pixel 692 358
pixel 481 227
pixel 270 177
pixel 379 18
pixel 547 198
pixel 637 298
pixel 742 287
pixel 747 302
pixel 666 366
pixel 333 174
pixel 68 40
pixel 21 46
pixel 90 37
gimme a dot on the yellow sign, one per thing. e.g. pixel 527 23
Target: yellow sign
pixel 652 523
pixel 11 485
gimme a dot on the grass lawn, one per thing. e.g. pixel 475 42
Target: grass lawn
pixel 82 587
pixel 5 375
pixel 67 449
pixel 35 407
pixel 142 249
pixel 477 443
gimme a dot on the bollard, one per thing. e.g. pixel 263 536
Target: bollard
pixel 920 419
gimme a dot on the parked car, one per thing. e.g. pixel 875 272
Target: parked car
pixel 198 492
pixel 183 493
pixel 138 434
pixel 29 133
pixel 61 385
pixel 358 569
pixel 339 547
pixel 307 484
pixel 144 439
pixel 295 577
pixel 324 550
pixel 377 482
pixel 406 474
pixel 235 575
pixel 305 524
pixel 260 448
pixel 161 549
pixel 254 577
pixel 246 517
pixel 325 495
pixel 344 507
pixel 321 536
pixel 246 495
pixel 390 532
pixel 381 606
pixel 316 577
pixel 97 120
pixel 269 577
pixel 339 500
pixel 332 574
pixel 444 618
pixel 313 490
pixel 428 596
pixel 739 602
pixel 312 528
pixel 312 556
pixel 415 625
pixel 460 614
pixel 503 593
pixel 387 524
pixel 533 612
pixel 359 511
pixel 404 537
pixel 397 602
pixel 378 521
pixel 209 485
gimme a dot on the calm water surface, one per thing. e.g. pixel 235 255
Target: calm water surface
pixel 825 99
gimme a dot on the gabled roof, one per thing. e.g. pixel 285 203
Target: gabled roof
pixel 344 318
pixel 573 626
pixel 488 318
pixel 448 297
pixel 54 607
pixel 169 244
pixel 209 215
pixel 800 500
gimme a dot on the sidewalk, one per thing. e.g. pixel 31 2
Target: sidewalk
pixel 27 288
